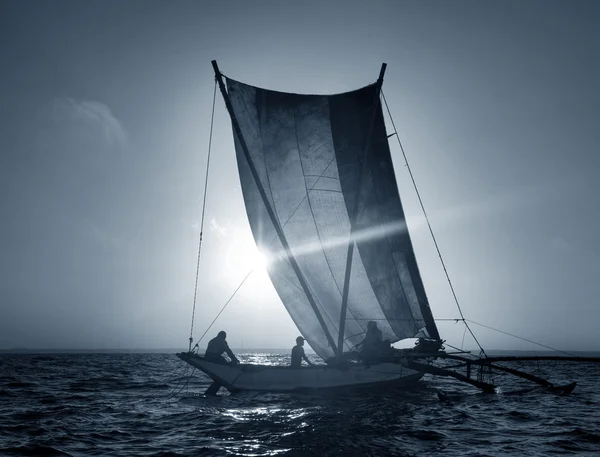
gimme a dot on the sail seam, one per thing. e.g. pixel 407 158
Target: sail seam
pixel 300 204
pixel 369 177
pixel 323 175
pixel 326 190
pixel 352 218
pixel 376 197
pixel 307 198
pixel 315 297
pixel 311 210
pixel 262 145
pixel 264 160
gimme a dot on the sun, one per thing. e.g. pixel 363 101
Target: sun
pixel 243 263
pixel 260 260
pixel 242 256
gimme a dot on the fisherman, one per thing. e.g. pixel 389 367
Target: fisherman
pixel 298 354
pixel 372 344
pixel 216 347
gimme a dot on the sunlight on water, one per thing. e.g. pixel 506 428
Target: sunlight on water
pixel 250 414
pixel 265 359
pixel 248 449
pixel 276 413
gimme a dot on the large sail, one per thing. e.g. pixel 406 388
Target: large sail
pixel 307 152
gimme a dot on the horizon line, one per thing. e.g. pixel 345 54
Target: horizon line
pixel 163 350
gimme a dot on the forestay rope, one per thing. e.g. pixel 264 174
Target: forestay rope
pixel 223 308
pixel 212 118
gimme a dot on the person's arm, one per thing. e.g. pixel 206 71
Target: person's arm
pixel 231 354
pixel 306 358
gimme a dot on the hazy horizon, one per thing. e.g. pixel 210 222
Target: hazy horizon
pixel 105 117
pixel 473 351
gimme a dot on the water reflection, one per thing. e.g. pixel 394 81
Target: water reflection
pixel 276 414
pixel 265 359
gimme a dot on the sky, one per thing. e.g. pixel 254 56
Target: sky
pixel 105 112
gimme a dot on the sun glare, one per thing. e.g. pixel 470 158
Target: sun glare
pixel 242 256
pixel 242 260
pixel 261 260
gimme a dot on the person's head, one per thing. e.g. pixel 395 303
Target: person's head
pixel 221 335
pixel 300 341
pixel 372 325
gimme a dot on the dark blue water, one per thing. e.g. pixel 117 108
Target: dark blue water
pixel 145 405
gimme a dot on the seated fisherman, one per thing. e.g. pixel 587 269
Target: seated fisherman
pixel 216 347
pixel 298 354
pixel 372 344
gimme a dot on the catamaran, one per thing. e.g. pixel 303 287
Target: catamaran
pixel 321 197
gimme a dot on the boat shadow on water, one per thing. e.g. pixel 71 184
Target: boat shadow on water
pixel 420 390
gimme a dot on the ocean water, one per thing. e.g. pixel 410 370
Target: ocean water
pixel 148 405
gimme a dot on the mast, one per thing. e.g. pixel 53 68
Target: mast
pixel 272 216
pixel 340 346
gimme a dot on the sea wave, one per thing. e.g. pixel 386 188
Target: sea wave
pixel 151 405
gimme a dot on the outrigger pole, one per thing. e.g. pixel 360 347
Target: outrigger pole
pixel 411 361
pixel 437 371
pixel 518 358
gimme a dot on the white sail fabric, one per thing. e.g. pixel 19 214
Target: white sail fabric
pixel 308 151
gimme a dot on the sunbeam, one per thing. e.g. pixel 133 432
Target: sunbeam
pixel 316 244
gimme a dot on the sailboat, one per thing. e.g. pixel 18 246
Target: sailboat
pixel 322 200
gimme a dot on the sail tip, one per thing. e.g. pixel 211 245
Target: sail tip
pixel 382 72
pixel 215 67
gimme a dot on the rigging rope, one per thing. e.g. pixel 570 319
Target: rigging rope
pixel 521 338
pixel 463 338
pixel 225 305
pixel 428 224
pixel 503 332
pixel 212 118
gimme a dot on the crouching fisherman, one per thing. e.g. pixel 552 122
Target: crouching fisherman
pixel 216 347
pixel 214 353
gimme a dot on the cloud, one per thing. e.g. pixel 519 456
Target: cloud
pixel 92 114
pixel 216 227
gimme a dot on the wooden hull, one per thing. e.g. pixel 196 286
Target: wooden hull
pixel 268 378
